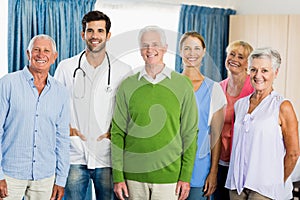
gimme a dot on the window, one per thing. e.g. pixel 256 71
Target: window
pixel 127 19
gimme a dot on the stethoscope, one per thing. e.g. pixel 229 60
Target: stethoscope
pixel 108 88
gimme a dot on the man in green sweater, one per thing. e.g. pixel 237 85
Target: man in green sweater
pixel 154 128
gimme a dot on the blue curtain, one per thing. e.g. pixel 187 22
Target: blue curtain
pixel 213 25
pixel 61 19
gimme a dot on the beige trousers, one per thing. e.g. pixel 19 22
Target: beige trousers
pixel 31 190
pixel 246 194
pixel 150 191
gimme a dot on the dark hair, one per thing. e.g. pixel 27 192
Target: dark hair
pixel 96 16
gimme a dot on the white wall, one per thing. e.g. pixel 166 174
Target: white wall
pixel 241 6
pixel 256 6
pixel 267 6
pixel 127 20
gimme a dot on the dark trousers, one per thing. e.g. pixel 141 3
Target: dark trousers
pixel 221 192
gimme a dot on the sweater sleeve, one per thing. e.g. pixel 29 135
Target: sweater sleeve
pixel 188 131
pixel 118 133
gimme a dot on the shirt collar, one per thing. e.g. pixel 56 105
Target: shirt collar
pixel 165 72
pixel 29 76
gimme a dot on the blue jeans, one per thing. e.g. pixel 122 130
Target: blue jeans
pixel 196 193
pixel 78 182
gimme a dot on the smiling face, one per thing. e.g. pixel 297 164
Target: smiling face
pixel 262 74
pixel 236 60
pixel 192 52
pixel 151 48
pixel 95 36
pixel 41 56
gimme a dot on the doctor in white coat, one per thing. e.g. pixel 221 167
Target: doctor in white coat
pixel 92 78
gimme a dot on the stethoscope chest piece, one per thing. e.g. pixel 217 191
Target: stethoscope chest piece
pixel 108 89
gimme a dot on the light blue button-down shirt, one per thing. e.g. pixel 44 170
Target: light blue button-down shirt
pixel 34 129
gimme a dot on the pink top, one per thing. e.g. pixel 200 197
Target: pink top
pixel 227 132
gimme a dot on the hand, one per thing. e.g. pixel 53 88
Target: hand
pixel 183 189
pixel 105 135
pixel 210 184
pixel 75 132
pixel 3 189
pixel 121 190
pixel 57 192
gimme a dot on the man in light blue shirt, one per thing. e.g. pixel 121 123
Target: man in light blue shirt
pixel 34 128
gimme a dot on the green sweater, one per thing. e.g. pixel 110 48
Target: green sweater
pixel 154 130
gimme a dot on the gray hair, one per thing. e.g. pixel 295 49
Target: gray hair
pixel 266 52
pixel 41 36
pixel 156 29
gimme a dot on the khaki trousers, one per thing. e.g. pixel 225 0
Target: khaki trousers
pixel 150 191
pixel 31 190
pixel 246 194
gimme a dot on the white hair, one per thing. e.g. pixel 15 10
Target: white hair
pixel 156 29
pixel 267 52
pixel 41 36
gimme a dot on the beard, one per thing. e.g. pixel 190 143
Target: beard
pixel 96 49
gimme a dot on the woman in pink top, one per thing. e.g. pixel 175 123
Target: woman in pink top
pixel 236 86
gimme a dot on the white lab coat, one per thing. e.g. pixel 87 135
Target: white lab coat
pixel 91 106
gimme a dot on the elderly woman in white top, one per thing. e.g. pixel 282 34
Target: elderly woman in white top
pixel 265 145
